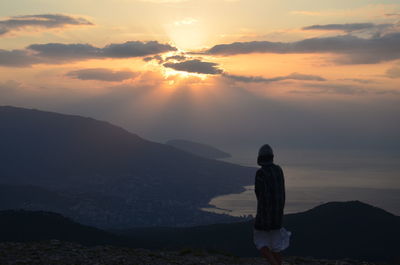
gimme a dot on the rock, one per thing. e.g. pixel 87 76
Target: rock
pixel 65 253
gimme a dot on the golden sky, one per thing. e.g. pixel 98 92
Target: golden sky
pixel 183 68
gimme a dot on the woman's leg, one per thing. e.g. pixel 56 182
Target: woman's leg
pixel 268 254
pixel 278 257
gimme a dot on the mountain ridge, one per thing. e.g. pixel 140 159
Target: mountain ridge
pixel 200 149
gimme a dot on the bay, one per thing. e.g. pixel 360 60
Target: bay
pixel 317 177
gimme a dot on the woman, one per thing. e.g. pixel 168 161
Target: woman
pixel 269 235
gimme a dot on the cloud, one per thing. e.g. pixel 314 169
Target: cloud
pixel 195 66
pixel 356 50
pixel 176 58
pixel 17 58
pixel 259 79
pixel 128 49
pixel 161 60
pixel 344 27
pixel 155 57
pixel 332 88
pixel 55 53
pixel 135 49
pixel 40 21
pixel 393 72
pixel 361 12
pixel 67 52
pixel 342 89
pixel 365 29
pixel 359 80
pixel 101 74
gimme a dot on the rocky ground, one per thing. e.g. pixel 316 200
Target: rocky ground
pixel 64 253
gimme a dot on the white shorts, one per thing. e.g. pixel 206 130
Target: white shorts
pixel 276 240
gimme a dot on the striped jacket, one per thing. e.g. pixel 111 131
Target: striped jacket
pixel 270 192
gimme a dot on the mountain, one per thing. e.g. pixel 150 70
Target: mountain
pixel 336 230
pixel 25 226
pixel 345 229
pixel 333 230
pixel 199 149
pixel 109 176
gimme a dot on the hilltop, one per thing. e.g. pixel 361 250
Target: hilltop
pixel 64 253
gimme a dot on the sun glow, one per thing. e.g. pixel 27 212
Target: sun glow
pixel 188 33
pixel 171 74
pixel 175 75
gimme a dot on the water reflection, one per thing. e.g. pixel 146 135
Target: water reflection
pixel 302 199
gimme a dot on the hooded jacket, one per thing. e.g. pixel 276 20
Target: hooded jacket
pixel 270 193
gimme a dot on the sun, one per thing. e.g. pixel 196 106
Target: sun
pixel 187 33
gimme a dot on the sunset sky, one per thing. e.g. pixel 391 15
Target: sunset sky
pixel 296 74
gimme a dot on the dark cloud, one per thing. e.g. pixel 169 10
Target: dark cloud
pixel 67 52
pixel 135 49
pixel 158 58
pixel 128 49
pixel 358 80
pixel 17 58
pixel 354 50
pixel 344 27
pixel 393 72
pixel 40 21
pixel 176 58
pixel 54 53
pixel 196 66
pixel 260 79
pixel 342 89
pixel 148 59
pixel 102 74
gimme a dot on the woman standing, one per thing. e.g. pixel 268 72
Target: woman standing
pixel 269 235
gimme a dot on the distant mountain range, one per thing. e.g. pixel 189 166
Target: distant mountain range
pixel 199 149
pixel 335 230
pixel 103 175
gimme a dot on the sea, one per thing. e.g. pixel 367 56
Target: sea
pixel 314 177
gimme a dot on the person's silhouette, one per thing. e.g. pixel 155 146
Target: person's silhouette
pixel 269 235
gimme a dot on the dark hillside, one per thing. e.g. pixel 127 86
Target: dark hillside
pixel 158 184
pixel 25 226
